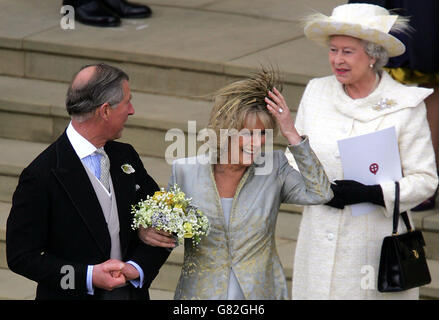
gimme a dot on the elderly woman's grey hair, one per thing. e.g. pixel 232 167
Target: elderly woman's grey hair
pixel 105 86
pixel 377 52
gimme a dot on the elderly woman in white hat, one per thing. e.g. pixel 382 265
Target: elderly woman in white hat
pixel 337 254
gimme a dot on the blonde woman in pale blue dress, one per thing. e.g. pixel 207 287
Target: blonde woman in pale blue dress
pixel 238 259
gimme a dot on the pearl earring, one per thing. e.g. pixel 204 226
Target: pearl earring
pixel 371 66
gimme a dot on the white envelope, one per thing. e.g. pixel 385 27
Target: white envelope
pixel 370 159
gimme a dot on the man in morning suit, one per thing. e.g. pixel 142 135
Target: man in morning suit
pixel 70 214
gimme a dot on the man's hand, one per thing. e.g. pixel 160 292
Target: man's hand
pixel 130 272
pixel 108 275
pixel 156 238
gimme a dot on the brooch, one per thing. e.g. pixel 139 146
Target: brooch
pixel 127 168
pixel 384 104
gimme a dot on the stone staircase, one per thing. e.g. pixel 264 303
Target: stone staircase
pixel 175 60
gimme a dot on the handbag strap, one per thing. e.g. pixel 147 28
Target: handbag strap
pixel 404 215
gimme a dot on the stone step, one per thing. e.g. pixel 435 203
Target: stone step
pixel 157 294
pixel 4 212
pixel 34 110
pixel 185 50
pixel 16 287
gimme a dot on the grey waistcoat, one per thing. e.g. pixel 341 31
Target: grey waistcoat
pixel 109 208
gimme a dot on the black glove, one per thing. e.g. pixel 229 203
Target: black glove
pixel 348 192
pixel 337 201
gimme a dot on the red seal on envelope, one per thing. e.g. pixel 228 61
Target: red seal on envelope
pixel 374 168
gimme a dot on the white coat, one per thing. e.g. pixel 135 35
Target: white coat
pixel 337 255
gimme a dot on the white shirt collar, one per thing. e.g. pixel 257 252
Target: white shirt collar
pixel 82 146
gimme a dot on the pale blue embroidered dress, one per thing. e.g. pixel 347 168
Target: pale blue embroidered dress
pixel 238 259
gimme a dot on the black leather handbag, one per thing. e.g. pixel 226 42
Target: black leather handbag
pixel 403 264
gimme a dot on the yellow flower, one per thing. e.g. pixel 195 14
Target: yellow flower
pixel 179 206
pixel 188 230
pixel 170 199
pixel 157 194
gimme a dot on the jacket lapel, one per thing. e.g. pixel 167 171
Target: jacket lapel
pixel 72 176
pixel 123 185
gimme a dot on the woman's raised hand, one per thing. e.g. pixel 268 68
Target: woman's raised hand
pixel 278 107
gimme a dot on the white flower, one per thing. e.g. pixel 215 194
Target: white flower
pixel 127 168
pixel 171 212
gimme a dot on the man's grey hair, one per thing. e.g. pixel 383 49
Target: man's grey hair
pixel 105 86
pixel 377 52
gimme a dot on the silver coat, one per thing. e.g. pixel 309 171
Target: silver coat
pixel 247 243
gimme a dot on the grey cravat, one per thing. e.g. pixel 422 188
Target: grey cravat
pixel 105 168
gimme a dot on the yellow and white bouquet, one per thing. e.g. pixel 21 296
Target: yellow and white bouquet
pixel 171 212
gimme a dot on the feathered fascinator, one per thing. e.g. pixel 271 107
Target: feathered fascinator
pixel 236 100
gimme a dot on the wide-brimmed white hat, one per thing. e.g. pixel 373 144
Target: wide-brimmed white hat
pixel 360 20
